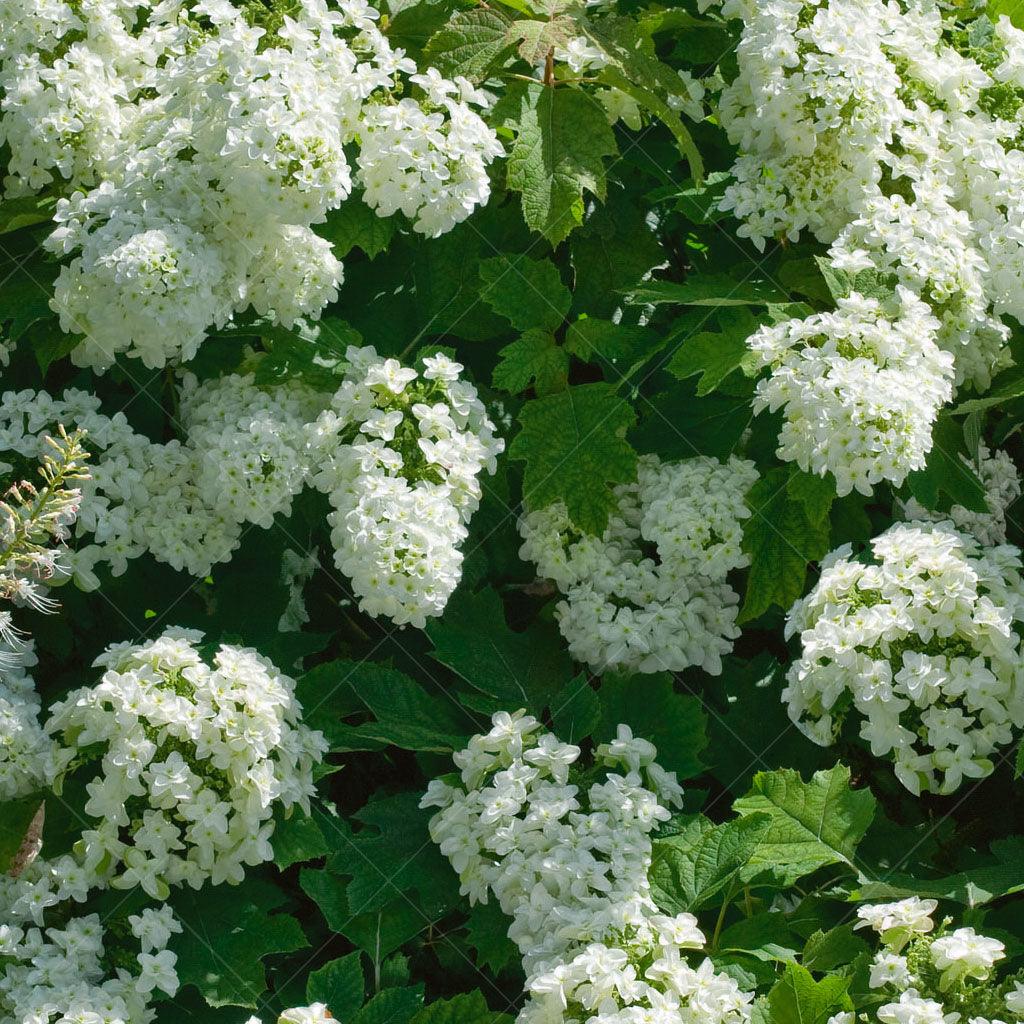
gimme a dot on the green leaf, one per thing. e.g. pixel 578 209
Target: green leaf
pixel 535 358
pixel 528 293
pixel 781 540
pixel 487 929
pixel 815 493
pixel 1001 874
pixel 813 823
pixel 594 340
pixel 466 1008
pixel 562 138
pixel 298 839
pixel 1005 386
pixel 715 354
pixel 471 44
pixel 765 937
pixel 340 984
pixel 518 670
pixel 392 1006
pixel 708 290
pixel 15 818
pixel 575 710
pixel 25 211
pixel 825 951
pixel 407 716
pixel 798 999
pixel 575 451
pixel 947 479
pixel 690 868
pixel 353 225
pixel 678 425
pixel 675 723
pixel 227 930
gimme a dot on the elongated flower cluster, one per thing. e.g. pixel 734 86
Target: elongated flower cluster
pixel 195 758
pixel 194 146
pixel 859 389
pixel 61 973
pixel 399 454
pixel 650 594
pixel 1001 480
pixel 891 131
pixel 571 871
pixel 923 643
pixel 927 975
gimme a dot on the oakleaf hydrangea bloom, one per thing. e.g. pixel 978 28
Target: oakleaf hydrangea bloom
pixel 62 972
pixel 1001 480
pixel 936 975
pixel 570 868
pixel 195 759
pixel 194 146
pixel 399 453
pixel 921 643
pixel 650 594
pixel 315 1013
pixel 860 389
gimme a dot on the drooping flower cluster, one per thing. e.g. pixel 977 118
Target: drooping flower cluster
pixel 571 871
pixel 194 145
pixel 399 453
pixel 195 758
pixel 859 389
pixel 923 644
pixel 650 594
pixel 891 131
pixel 923 975
pixel 1001 480
pixel 61 973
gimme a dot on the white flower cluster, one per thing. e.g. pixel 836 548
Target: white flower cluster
pixel 1001 480
pixel 859 389
pixel 923 642
pixel 194 760
pixel 186 503
pixel 893 135
pixel 572 874
pixel 399 453
pixel 28 758
pixel 938 978
pixel 194 149
pixel 650 594
pixel 315 1013
pixel 61 974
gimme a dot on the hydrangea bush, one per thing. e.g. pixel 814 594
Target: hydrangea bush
pixel 620 400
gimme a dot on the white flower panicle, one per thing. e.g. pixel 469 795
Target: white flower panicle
pixel 924 975
pixel 922 642
pixel 650 594
pixel 195 758
pixel 193 151
pixel 61 974
pixel 1001 480
pixel 894 135
pixel 315 1013
pixel 859 389
pixel 570 869
pixel 399 454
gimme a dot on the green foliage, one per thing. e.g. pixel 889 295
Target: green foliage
pixel 812 823
pixel 339 984
pixel 798 999
pixel 575 450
